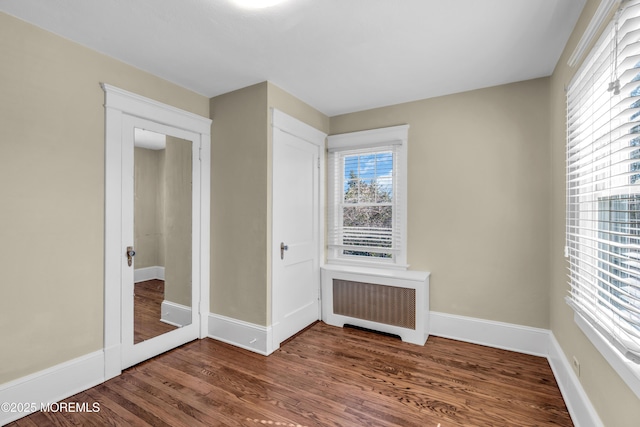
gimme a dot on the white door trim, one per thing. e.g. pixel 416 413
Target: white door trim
pixel 293 126
pixel 118 105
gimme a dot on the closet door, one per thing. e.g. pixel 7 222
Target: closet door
pixel 297 226
pixel 157 232
pixel 160 239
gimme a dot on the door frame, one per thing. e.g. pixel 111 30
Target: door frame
pixel 120 104
pixel 293 126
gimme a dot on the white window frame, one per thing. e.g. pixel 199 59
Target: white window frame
pixel 391 138
pixel 587 100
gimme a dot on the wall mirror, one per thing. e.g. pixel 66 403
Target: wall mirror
pixel 162 234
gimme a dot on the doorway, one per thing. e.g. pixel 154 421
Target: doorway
pixel 298 225
pixel 156 228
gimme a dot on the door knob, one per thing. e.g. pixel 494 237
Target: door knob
pixel 283 248
pixel 130 254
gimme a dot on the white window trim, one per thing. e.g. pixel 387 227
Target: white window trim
pixel 593 324
pixel 628 371
pixel 384 137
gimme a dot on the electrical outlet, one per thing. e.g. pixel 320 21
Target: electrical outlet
pixel 576 365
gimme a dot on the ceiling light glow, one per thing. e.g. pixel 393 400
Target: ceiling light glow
pixel 257 4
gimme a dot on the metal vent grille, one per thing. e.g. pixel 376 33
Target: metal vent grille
pixel 389 305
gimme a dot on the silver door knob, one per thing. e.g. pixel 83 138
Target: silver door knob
pixel 283 248
pixel 130 254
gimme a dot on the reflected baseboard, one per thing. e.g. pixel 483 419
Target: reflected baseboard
pixel 175 314
pixel 148 273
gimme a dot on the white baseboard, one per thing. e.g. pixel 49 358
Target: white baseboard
pixel 148 273
pixel 582 412
pixel 52 385
pixel 241 334
pixel 522 339
pixel 175 314
pixel 507 336
pixel 68 378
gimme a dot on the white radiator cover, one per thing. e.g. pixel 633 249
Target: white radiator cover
pixel 385 300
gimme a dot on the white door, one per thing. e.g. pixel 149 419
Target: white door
pixel 161 229
pixel 296 226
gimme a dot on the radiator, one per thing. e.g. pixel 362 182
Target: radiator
pixel 391 301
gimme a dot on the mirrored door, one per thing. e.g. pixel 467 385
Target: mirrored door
pixel 160 167
pixel 162 234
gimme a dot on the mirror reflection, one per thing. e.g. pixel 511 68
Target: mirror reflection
pixel 162 234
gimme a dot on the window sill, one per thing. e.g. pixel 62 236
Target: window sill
pixel 366 263
pixel 379 271
pixel 628 371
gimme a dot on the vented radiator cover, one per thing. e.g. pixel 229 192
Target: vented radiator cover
pixel 392 301
pixel 377 303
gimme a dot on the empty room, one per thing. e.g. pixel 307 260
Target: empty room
pixel 320 213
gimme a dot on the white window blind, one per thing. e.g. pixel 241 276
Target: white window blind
pixel 367 196
pixel 603 184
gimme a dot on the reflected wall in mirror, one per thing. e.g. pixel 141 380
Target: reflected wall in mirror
pixel 162 234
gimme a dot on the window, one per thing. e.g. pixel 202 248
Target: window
pixel 603 186
pixel 367 197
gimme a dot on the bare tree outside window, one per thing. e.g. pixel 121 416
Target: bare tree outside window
pixel 368 203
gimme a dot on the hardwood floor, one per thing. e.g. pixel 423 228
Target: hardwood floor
pixel 326 376
pixel 146 311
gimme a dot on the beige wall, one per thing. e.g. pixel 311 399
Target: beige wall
pixel 241 195
pixel 478 198
pixel 163 215
pixel 616 404
pixel 178 215
pixel 486 201
pixel 239 204
pixel 52 187
pixel 148 217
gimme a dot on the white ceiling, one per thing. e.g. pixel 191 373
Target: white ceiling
pixel 339 56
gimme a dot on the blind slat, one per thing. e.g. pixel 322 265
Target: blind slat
pixel 603 184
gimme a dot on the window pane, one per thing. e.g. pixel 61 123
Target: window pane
pixel 368 178
pixel 619 270
pixel 368 216
pixel 384 177
pixel 351 191
pixel 367 167
pixel 368 227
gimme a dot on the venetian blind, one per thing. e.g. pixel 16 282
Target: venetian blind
pixel 367 199
pixel 603 184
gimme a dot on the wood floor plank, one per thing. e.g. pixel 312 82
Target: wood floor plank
pixel 147 311
pixel 327 376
